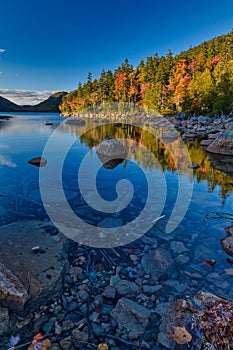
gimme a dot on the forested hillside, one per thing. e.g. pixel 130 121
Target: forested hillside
pixel 197 81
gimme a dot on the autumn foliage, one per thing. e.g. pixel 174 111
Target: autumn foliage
pixel 197 81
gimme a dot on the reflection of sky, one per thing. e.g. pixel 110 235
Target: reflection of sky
pixel 5 161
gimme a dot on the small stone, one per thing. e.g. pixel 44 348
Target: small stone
pixel 196 275
pixel 65 344
pixel 109 292
pixel 81 335
pixel 178 247
pixel 47 328
pixel 193 166
pixel 182 259
pixel 57 329
pixel 127 288
pixel 55 346
pixel 83 295
pixel 97 329
pixel 106 309
pixel 67 325
pixel 151 289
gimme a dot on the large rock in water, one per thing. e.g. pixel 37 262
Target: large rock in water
pixel 111 152
pixel 223 144
pixel 227 242
pixel 31 276
pixel 130 315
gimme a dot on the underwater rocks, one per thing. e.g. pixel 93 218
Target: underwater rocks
pixel 30 278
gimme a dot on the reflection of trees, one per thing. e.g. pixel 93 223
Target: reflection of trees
pixel 163 152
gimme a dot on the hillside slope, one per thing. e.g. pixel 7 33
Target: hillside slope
pixel 7 106
pixel 49 105
pixel 197 81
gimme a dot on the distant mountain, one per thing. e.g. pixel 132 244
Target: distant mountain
pixel 49 105
pixel 7 106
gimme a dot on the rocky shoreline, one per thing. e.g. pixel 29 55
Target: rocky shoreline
pixel 216 133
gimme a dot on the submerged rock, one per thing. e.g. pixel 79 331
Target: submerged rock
pixel 76 122
pixel 127 288
pixel 157 262
pixel 38 161
pixel 39 275
pixel 12 292
pixel 130 315
pixel 227 242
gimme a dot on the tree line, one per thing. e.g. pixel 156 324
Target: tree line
pixel 197 81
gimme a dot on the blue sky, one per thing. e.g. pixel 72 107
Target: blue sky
pixel 52 44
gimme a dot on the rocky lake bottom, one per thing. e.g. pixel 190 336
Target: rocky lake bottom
pixel 130 296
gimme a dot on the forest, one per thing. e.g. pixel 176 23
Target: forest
pixel 198 81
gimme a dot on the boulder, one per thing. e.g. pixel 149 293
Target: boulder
pixel 111 149
pixel 111 153
pixel 130 315
pixel 31 277
pixel 222 144
pixel 227 244
pixel 38 161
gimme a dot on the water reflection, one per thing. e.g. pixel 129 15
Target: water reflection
pixel 214 169
pixel 24 137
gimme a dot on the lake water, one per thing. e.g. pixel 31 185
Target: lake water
pixel 24 136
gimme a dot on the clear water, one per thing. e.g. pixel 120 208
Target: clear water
pixel 24 136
